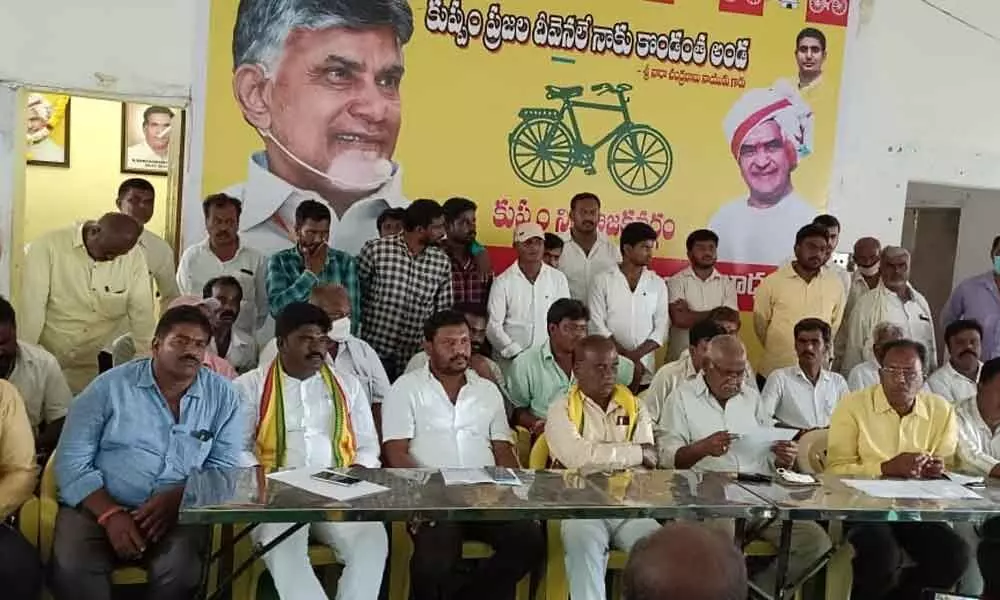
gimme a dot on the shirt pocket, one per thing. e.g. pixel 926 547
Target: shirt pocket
pixel 112 303
pixel 191 449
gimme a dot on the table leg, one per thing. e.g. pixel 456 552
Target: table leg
pixel 784 550
pixel 256 554
pixel 740 529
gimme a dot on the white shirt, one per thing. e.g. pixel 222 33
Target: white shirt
pixel 701 295
pixel 355 358
pixel 309 418
pixel 160 260
pixel 666 380
pixel 843 274
pixel 630 317
pixel 518 309
pixel 880 304
pixel 693 414
pixel 443 434
pixel 581 268
pixel 142 156
pixel 978 446
pixel 793 400
pixel 760 236
pixel 863 375
pixel 948 383
pixel 41 383
pixel 242 351
pixel 199 265
pixel 265 195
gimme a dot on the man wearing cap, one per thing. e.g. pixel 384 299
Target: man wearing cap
pixel 521 296
pixel 766 135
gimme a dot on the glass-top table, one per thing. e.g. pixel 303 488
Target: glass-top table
pixel 245 495
pixel 835 500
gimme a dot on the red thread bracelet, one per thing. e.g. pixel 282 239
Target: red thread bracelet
pixel 101 520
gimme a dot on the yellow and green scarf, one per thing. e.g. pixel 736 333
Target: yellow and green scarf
pixel 622 397
pixel 271 430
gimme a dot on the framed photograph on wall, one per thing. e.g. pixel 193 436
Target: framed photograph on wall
pixel 146 135
pixel 48 129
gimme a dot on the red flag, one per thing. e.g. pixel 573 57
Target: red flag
pixel 828 12
pixel 746 7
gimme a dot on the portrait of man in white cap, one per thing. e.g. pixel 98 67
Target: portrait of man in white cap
pixel 41 146
pixel 320 82
pixel 767 137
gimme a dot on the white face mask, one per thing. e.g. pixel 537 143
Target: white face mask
pixel 351 170
pixel 869 271
pixel 340 330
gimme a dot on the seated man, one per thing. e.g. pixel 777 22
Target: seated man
pixel 672 374
pixel 866 374
pixel 38 379
pixel 957 379
pixel 347 354
pixel 704 416
pixel 729 319
pixel 446 416
pixel 805 395
pixel 237 348
pixel 20 569
pixel 598 423
pixel 327 424
pixel 123 348
pixel 541 374
pixel 130 441
pixel 896 430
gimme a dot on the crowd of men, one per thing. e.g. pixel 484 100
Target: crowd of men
pixel 415 353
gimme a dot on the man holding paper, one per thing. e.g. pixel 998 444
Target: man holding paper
pixel 716 422
pixel 896 430
pixel 443 415
pixel 303 414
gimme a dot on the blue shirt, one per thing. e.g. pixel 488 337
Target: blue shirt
pixel 120 435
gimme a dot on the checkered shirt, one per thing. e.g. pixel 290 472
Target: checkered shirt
pixel 469 285
pixel 399 292
pixel 288 280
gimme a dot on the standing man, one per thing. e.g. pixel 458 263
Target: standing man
pixel 867 251
pixel 224 253
pixel 136 199
pixel 82 286
pixel 761 129
pixel 629 303
pixel 796 291
pixel 130 441
pixel 307 415
pixel 553 250
pixel 704 416
pixel 471 273
pixel 896 430
pixel 832 226
pixel 229 343
pixel 445 416
pixel 895 301
pixel 866 374
pixel 293 273
pixel 39 381
pixel 805 395
pixel 587 252
pixel 958 378
pixel 696 290
pixel 329 143
pixel 404 279
pixel 978 298
pixel 598 423
pixel 390 222
pixel 541 374
pixel 521 296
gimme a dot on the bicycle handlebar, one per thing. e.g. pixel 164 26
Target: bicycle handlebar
pixel 604 88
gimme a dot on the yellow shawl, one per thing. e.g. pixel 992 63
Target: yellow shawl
pixel 622 397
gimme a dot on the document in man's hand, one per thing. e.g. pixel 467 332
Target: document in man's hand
pixel 303 479
pixel 913 489
pixel 755 441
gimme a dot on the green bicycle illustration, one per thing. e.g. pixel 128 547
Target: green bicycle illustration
pixel 544 149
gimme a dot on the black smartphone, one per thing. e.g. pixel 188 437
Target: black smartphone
pixel 104 362
pixel 335 478
pixel 753 478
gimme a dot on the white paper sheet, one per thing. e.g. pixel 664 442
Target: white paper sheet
pixel 756 441
pixel 913 489
pixel 969 480
pixel 302 479
pixel 735 493
pixel 465 476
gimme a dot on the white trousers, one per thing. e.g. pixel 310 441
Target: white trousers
pixel 362 547
pixel 587 542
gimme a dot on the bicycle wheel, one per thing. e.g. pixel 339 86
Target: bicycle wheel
pixel 839 7
pixel 541 151
pixel 818 5
pixel 640 160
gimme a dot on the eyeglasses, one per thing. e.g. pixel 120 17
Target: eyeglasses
pixel 908 375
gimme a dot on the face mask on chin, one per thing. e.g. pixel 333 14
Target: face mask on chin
pixel 996 265
pixel 351 170
pixel 340 330
pixel 868 271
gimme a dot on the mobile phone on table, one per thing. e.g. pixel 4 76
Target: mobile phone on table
pixel 753 478
pixel 504 476
pixel 335 478
pixel 943 595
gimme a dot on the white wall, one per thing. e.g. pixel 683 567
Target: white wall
pixel 919 104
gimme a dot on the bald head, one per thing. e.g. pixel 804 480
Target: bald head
pixel 111 236
pixel 685 561
pixel 725 366
pixel 595 365
pixel 333 299
pixel 724 348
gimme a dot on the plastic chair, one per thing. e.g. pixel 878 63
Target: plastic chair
pixel 522 444
pixel 812 451
pixel 402 550
pixel 246 586
pixel 555 584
